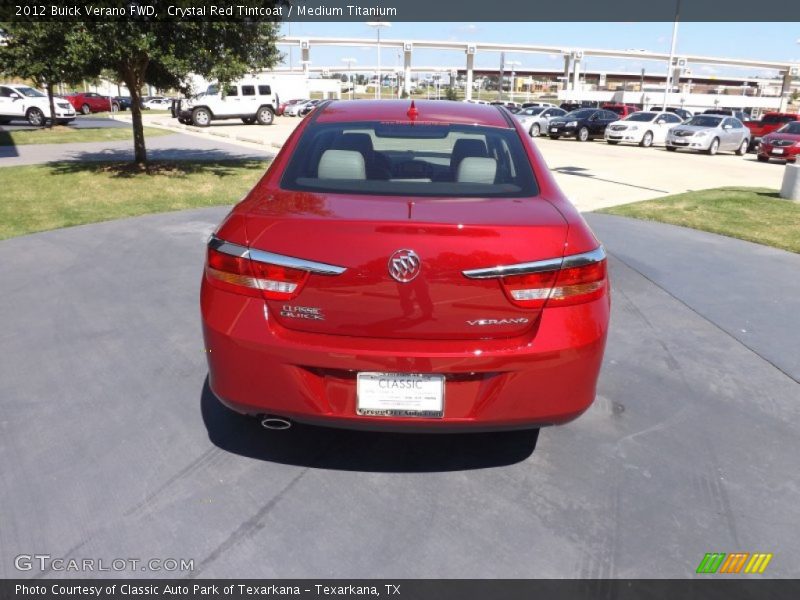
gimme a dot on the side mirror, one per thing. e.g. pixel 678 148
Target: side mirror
pixel 14 96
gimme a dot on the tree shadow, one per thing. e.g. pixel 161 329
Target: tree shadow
pixel 220 165
pixel 8 149
pixel 348 450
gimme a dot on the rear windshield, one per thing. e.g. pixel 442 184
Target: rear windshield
pixel 643 117
pixel 583 113
pixel 778 118
pixel 704 121
pixel 414 159
pixel 793 127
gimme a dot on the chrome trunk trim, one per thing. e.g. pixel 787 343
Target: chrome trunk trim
pixel 539 266
pixel 271 258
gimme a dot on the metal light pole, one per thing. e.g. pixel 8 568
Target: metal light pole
pixel 377 25
pixel 349 62
pixel 513 64
pixel 668 85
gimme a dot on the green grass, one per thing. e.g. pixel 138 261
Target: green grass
pixel 43 197
pixel 64 134
pixel 753 214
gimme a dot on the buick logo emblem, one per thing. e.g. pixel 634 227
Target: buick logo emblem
pixel 404 265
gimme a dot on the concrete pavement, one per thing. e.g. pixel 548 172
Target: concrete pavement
pixel 168 147
pixel 112 445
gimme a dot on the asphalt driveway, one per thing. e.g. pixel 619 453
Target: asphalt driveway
pixel 112 446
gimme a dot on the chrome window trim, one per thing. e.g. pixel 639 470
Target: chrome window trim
pixel 271 258
pixel 539 266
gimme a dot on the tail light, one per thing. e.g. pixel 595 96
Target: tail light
pixel 241 270
pixel 572 280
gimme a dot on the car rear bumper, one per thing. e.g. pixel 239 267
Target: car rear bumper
pixel 789 153
pixel 562 131
pixel 258 367
pixel 690 143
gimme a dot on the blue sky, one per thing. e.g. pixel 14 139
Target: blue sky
pixel 773 41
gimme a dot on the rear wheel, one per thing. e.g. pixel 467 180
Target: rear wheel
pixel 115 108
pixel 647 140
pixel 762 158
pixel 201 117
pixel 714 147
pixel 743 148
pixel 35 117
pixel 248 120
pixel 265 116
pixel 535 130
pixel 583 134
pixel 86 109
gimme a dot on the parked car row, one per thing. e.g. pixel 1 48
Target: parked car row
pixel 712 131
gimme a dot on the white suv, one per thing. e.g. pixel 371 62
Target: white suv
pixel 250 100
pixel 24 102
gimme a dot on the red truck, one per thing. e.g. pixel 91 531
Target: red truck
pixel 770 122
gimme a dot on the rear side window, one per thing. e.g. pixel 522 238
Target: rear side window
pixel 414 159
pixel 264 90
pixel 248 90
pixel 232 91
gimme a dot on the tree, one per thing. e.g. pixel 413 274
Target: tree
pixel 36 51
pixel 162 54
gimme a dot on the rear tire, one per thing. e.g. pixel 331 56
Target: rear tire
pixel 35 117
pixel 713 148
pixel 743 147
pixel 582 135
pixel 647 140
pixel 535 130
pixel 201 117
pixel 265 116
pixel 85 109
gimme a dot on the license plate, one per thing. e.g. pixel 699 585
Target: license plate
pixel 400 395
pixel 777 151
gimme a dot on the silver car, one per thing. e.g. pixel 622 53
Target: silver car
pixel 536 118
pixel 710 134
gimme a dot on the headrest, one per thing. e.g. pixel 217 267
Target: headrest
pixel 466 147
pixel 361 142
pixel 341 164
pixel 474 169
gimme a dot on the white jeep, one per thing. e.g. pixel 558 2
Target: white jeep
pixel 26 103
pixel 250 100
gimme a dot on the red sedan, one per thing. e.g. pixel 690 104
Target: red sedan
pixel 405 267
pixel 89 102
pixel 783 144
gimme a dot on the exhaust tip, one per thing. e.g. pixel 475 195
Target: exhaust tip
pixel 273 422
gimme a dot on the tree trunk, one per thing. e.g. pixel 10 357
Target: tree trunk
pixel 139 148
pixel 52 103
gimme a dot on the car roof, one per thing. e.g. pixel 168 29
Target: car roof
pixel 430 111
